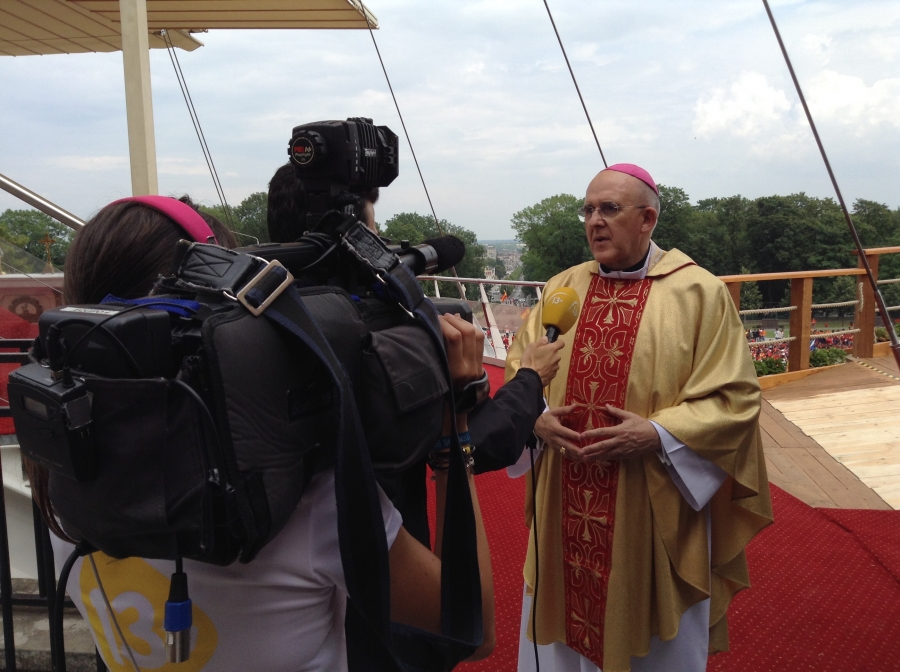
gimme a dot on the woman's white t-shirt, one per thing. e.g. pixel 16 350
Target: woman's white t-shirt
pixel 282 612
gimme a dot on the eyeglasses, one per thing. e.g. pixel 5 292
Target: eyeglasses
pixel 607 210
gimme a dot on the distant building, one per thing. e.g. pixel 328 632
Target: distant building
pixel 490 251
pixel 489 273
pixel 511 259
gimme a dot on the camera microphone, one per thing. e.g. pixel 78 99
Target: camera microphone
pixel 434 255
pixel 560 312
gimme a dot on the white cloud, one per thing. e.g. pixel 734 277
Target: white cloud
pixel 485 93
pixel 170 165
pixel 847 100
pixel 749 107
pixel 90 163
pixel 818 45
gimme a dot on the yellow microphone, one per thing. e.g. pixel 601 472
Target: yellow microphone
pixel 560 312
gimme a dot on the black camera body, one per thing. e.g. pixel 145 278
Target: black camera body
pixel 337 160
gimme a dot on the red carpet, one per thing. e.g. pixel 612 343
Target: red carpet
pixel 825 595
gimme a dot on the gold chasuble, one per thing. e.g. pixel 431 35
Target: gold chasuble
pixel 622 554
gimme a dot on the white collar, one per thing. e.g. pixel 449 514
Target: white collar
pixel 639 274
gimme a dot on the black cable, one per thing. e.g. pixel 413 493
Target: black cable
pixel 98 326
pixel 575 81
pixel 202 404
pixel 318 261
pixel 198 129
pixel 56 629
pixel 437 222
pixel 879 299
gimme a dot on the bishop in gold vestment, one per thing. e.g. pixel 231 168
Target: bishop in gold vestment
pixel 624 550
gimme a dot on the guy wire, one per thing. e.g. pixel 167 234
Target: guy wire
pixel 879 299
pixel 575 81
pixel 198 129
pixel 437 222
pixel 112 615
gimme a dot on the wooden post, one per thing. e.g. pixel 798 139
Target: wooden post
pixel 864 318
pixel 801 296
pixel 734 288
pixel 138 96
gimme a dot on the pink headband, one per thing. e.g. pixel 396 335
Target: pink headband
pixel 636 171
pixel 181 213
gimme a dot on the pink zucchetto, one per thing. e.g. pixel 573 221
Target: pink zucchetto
pixel 636 171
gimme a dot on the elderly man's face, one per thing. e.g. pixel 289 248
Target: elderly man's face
pixel 620 240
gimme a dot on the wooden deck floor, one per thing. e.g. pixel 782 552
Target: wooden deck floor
pixel 833 439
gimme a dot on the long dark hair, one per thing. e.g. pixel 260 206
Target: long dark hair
pixel 122 250
pixel 286 205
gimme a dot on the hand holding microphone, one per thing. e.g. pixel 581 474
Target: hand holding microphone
pixel 543 358
pixel 560 313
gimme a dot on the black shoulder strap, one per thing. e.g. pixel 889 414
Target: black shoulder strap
pixel 265 289
pixel 363 544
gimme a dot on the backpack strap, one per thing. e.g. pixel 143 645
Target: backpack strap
pixel 378 644
pixel 265 289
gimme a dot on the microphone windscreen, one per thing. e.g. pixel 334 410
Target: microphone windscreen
pixel 450 251
pixel 561 309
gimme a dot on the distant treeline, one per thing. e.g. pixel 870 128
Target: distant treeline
pixel 729 236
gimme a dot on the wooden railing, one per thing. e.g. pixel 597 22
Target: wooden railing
pixel 802 304
pixel 800 309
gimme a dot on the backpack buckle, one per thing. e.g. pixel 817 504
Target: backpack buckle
pixel 261 291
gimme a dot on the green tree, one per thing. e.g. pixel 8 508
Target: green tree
pixel 415 228
pixel 726 235
pixel 797 233
pixel 27 228
pixel 879 226
pixel 553 236
pixel 677 221
pixel 751 297
pixel 248 218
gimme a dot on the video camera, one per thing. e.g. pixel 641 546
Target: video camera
pixel 187 424
pixel 335 163
pixel 337 160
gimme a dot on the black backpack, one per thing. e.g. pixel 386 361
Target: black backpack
pixel 208 459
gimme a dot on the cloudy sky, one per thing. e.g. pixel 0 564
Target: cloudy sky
pixel 696 91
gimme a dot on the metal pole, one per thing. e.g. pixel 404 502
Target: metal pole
pixel 39 548
pixel 879 299
pixel 9 636
pixel 57 658
pixel 41 203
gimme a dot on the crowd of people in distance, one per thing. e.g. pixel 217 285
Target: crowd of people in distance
pixel 775 350
pixel 843 341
